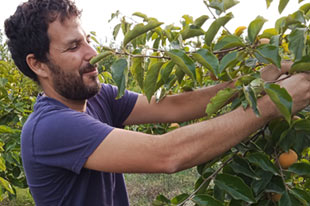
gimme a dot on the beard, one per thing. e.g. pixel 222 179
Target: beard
pixel 71 86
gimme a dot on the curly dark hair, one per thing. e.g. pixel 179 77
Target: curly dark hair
pixel 27 29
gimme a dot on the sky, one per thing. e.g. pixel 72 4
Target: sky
pixel 96 13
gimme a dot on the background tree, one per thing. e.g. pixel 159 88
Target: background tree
pixel 17 95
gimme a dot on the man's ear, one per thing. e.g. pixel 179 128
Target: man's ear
pixel 38 67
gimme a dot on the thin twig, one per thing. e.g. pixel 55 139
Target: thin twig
pixel 205 181
pixel 281 171
pixel 141 55
pixel 208 6
pixel 278 80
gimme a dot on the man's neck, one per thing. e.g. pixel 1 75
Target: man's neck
pixel 77 105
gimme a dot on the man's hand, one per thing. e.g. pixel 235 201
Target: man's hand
pixel 298 86
pixel 272 73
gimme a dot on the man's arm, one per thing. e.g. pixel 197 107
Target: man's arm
pixel 128 151
pixel 174 108
pixel 189 105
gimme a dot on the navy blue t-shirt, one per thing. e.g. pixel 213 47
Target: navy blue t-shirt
pixel 56 141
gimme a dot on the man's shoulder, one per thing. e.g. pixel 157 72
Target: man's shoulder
pixel 50 117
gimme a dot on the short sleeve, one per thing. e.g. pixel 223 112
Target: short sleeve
pixel 120 108
pixel 67 138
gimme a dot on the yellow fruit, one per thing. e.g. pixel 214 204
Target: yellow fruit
pixel 264 41
pixel 239 30
pixel 286 159
pixel 276 197
pixel 174 125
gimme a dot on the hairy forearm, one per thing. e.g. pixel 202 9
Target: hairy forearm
pixel 198 143
pixel 175 108
pixel 192 105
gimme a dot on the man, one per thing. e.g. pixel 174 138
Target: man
pixel 73 146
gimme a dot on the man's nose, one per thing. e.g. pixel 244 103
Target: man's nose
pixel 90 52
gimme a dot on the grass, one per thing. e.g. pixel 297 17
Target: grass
pixel 142 188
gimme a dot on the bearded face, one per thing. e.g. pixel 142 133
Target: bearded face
pixel 71 85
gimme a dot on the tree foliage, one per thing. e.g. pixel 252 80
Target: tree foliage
pixel 17 95
pixel 162 59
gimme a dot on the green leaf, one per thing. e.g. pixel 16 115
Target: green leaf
pixel 166 70
pixel 179 74
pixel 180 198
pixel 99 57
pixel 281 25
pixel 138 70
pixel 268 2
pixel 151 80
pixel 251 98
pixel 199 75
pixel 276 185
pixel 302 65
pixel 222 6
pixel 161 200
pixel 295 18
pixel 259 185
pixel 140 29
pixel 229 4
pixel 215 26
pixel 239 165
pixel 302 125
pixel 228 60
pixel 297 40
pixel 281 98
pixel 220 99
pixel 116 30
pixel 301 169
pixel 119 70
pixel 191 31
pixel 207 59
pixel 2 164
pixel 305 8
pixel 206 200
pixel 4 183
pixel 301 195
pixel 262 160
pixel 9 130
pixel 141 15
pixel 285 200
pixel 255 27
pixel 282 5
pixel 235 186
pixel 288 199
pixel 227 42
pixel 270 53
pixel 201 20
pixel 188 19
pixel 268 33
pixel 183 61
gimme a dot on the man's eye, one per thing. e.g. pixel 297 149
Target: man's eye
pixel 73 47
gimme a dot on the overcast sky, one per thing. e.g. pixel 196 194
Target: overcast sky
pixel 96 13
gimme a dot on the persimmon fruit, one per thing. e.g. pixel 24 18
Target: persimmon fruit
pixel 276 197
pixel 286 159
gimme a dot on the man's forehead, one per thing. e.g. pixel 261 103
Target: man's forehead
pixel 65 31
